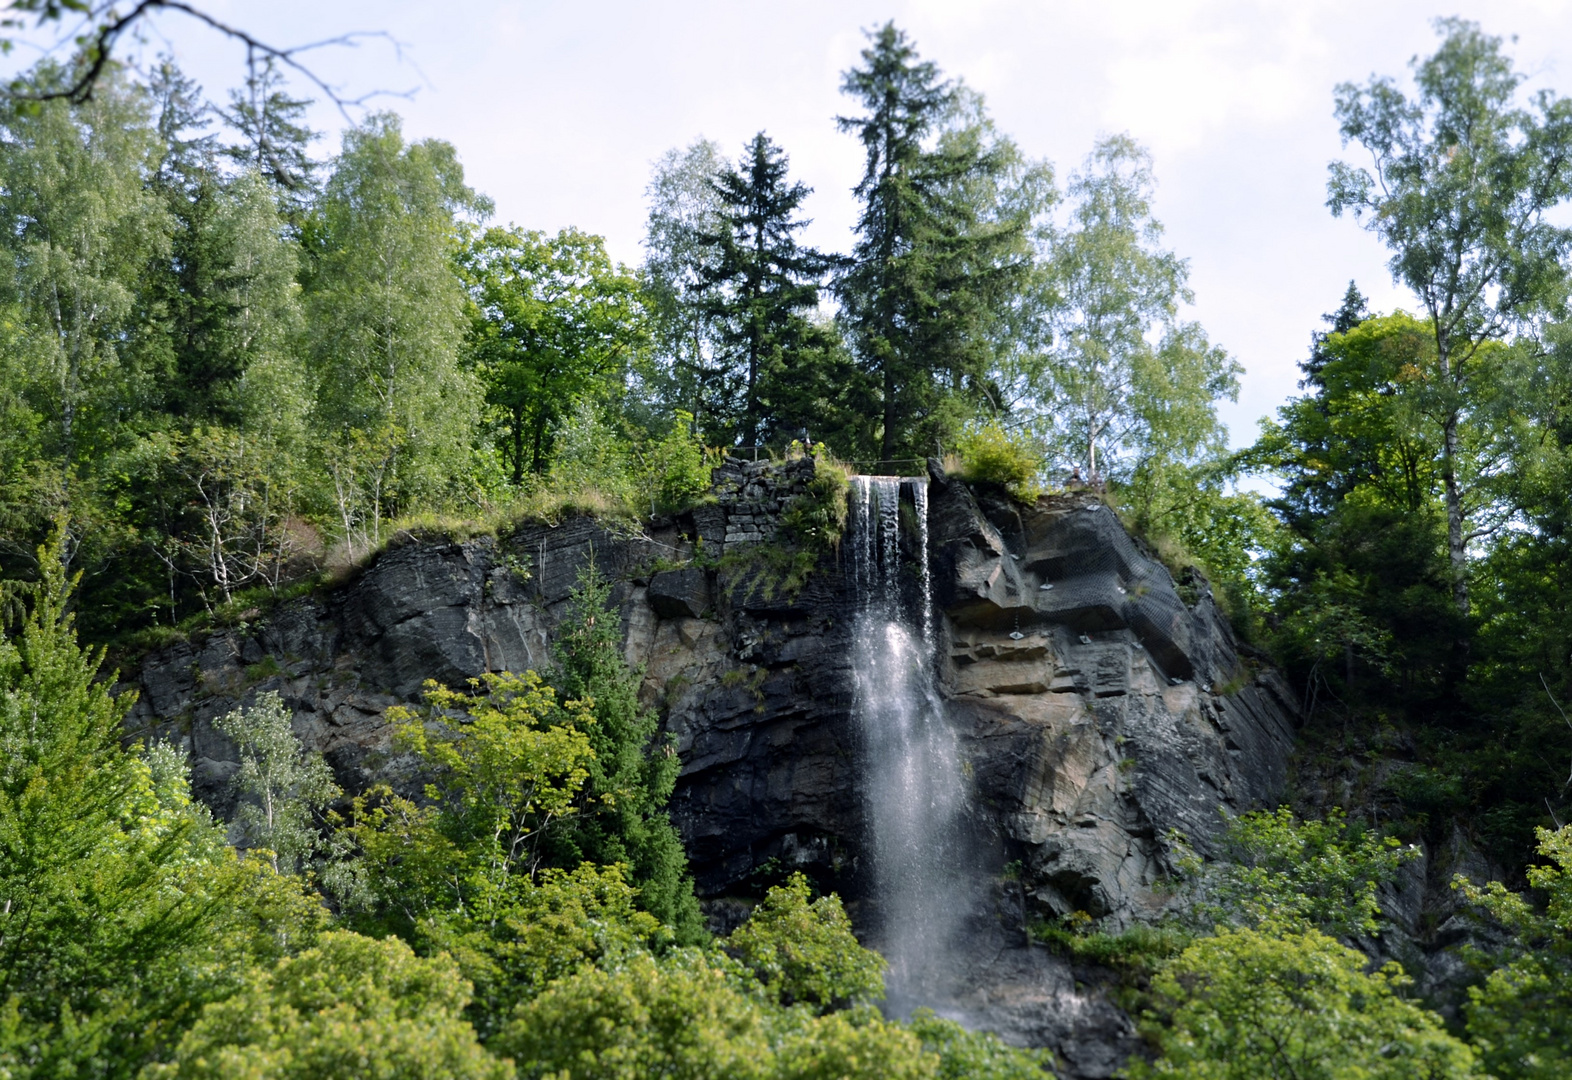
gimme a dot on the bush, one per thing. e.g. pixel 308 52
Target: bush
pixel 352 1006
pixel 676 467
pixel 991 455
pixel 806 952
pixel 1521 1018
pixel 1286 872
pixel 1253 1005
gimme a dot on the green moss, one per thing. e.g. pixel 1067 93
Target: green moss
pixel 1135 951
pixel 265 668
pixel 816 519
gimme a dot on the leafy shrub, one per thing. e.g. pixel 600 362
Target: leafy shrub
pixel 1281 871
pixel 682 1017
pixel 976 1055
pixel 806 952
pixel 675 469
pixel 990 454
pixel 1249 1004
pixel 816 519
pixel 352 1006
pixel 1521 1018
pixel 1138 950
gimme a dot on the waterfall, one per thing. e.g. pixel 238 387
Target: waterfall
pixel 914 790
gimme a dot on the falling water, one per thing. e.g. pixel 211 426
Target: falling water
pixel 915 795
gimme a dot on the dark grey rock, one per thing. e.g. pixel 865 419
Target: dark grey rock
pixel 678 594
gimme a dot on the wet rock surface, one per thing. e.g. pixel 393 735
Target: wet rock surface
pixel 1097 708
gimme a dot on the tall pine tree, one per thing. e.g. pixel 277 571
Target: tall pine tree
pixel 939 252
pixel 757 284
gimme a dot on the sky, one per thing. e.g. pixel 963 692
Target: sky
pixel 558 111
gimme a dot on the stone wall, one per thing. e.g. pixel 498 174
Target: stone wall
pixel 750 497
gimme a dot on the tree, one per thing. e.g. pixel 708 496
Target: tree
pixel 684 206
pixel 395 407
pixel 939 248
pixel 289 785
pixel 81 226
pixel 677 1017
pixel 508 773
pixel 121 909
pixel 554 322
pixel 621 815
pixel 806 952
pixel 1521 1017
pixel 350 1006
pixel 1263 1005
pixel 1125 381
pixel 1461 188
pixel 1279 871
pixel 273 135
pixel 755 283
pixel 1361 570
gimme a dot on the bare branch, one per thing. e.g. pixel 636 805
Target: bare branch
pixel 1560 710
pixel 98 53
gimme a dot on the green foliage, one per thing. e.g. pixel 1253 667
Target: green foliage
pixel 553 323
pixel 816 519
pixel 350 1006
pixel 1138 950
pixel 757 287
pixel 975 1055
pixel 991 455
pixel 676 466
pixel 1520 1019
pixel 621 814
pixel 514 764
pixel 539 931
pixel 1464 191
pixel 1122 385
pixel 281 785
pixel 805 951
pixel 1279 871
pixel 1293 1005
pixel 855 1046
pixel 941 243
pixel 395 407
pixel 682 1017
pixel 124 909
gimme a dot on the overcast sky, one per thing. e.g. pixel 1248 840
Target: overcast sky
pixel 558 110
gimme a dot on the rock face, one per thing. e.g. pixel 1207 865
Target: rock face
pixel 1100 705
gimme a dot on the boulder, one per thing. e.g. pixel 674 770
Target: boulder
pixel 680 594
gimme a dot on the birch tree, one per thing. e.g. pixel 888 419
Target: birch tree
pixel 1461 185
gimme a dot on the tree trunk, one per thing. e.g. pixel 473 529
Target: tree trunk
pixel 539 464
pixel 1454 514
pixel 887 443
pixel 518 446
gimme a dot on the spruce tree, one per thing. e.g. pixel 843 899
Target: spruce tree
pixel 939 250
pixel 758 284
pixel 273 136
pixel 622 814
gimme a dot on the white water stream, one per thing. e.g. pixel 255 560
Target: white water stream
pixel 914 788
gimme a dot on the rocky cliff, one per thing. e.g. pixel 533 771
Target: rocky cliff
pixel 1100 703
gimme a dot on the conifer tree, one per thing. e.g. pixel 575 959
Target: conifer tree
pixel 273 135
pixel 939 252
pixel 622 818
pixel 758 283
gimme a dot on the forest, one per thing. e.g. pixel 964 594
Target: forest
pixel 234 366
